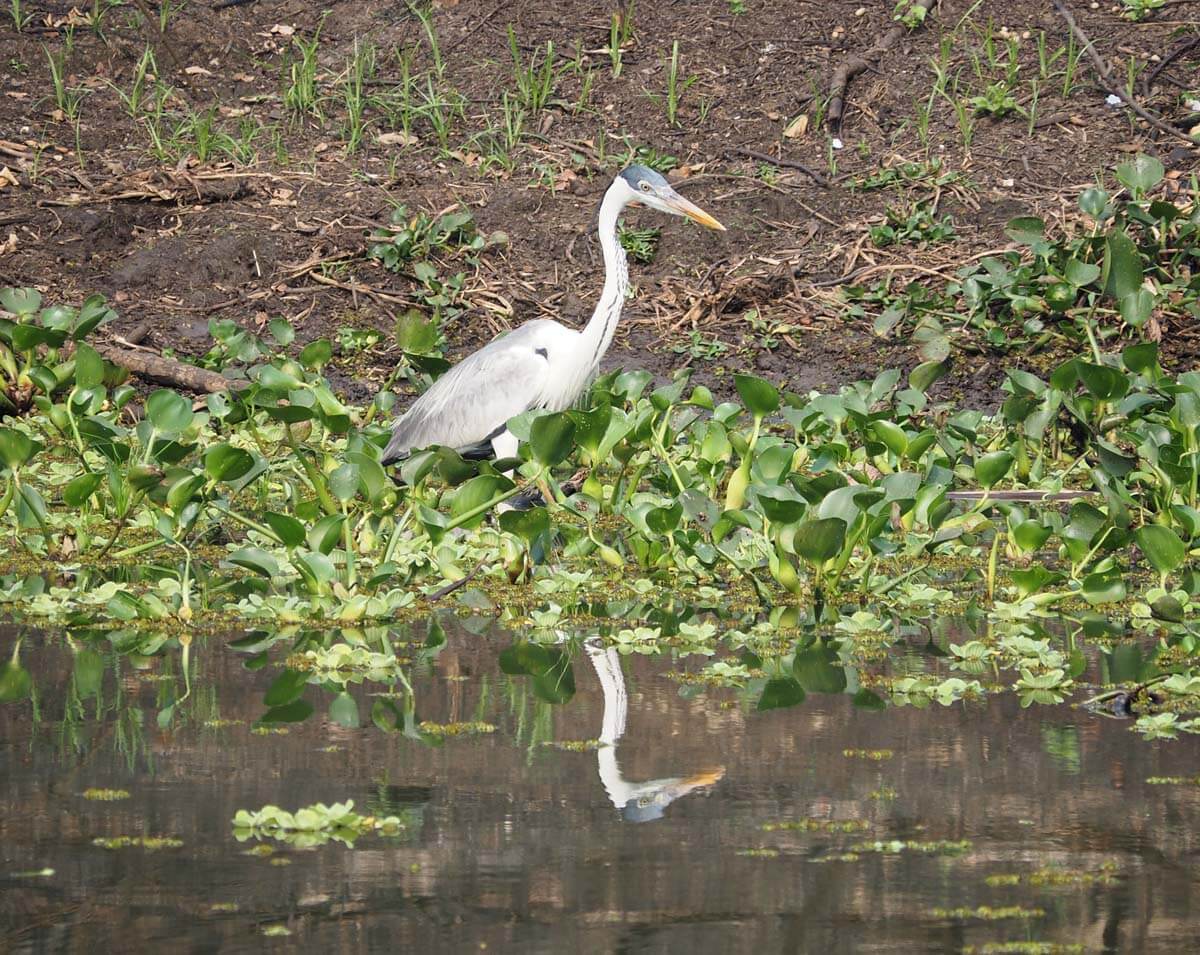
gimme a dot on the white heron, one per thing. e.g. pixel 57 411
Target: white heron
pixel 542 364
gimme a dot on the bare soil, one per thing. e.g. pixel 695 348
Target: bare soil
pixel 284 232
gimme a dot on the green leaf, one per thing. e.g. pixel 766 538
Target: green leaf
pixel 316 355
pixel 89 366
pixel 780 505
pixel 820 540
pixel 892 435
pixel 760 397
pixel 1080 274
pixel 343 482
pixel 926 373
pixel 15 681
pixel 817 670
pixel 289 530
pixel 20 301
pixel 288 686
pixel 415 334
pixel 16 448
pixel 528 525
pixel 1137 306
pixel 295 712
pixel 1103 588
pixel 1122 265
pixel 81 488
pixel 224 462
pixel 991 468
pixel 1140 174
pixel 1093 202
pixel 1104 383
pixel 323 535
pixel 1162 547
pixel 1140 357
pixel 168 411
pixel 255 559
pixel 779 693
pixel 344 711
pixel 1025 230
pixel 551 438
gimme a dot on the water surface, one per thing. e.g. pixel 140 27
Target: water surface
pixel 655 843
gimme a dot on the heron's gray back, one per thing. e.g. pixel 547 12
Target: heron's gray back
pixel 474 399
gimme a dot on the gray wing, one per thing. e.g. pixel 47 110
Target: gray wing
pixel 471 402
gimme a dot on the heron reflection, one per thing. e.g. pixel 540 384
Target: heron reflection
pixel 637 802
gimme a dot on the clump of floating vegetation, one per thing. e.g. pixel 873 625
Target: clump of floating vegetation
pixel 574 745
pixel 936 847
pixel 1023 948
pixel 875 755
pixel 472 728
pixel 1106 874
pixel 759 853
pixel 817 825
pixel 105 795
pixel 149 843
pixel 987 913
pixel 311 826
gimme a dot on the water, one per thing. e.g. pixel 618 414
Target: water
pixel 515 846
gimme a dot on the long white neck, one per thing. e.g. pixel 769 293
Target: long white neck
pixel 599 331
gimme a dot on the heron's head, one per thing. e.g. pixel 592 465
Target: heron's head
pixel 648 188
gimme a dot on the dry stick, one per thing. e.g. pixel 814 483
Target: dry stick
pixel 1106 82
pixel 782 163
pixel 857 63
pixel 1166 60
pixel 165 370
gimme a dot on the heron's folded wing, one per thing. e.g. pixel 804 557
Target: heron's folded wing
pixel 474 399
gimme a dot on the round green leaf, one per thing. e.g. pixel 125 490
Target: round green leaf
pixel 551 438
pixel 1140 174
pixel 289 530
pixel 528 525
pixel 818 541
pixel 779 693
pixel 287 687
pixel 991 468
pixel 344 711
pixel 16 448
pixel 224 462
pixel 760 397
pixel 20 301
pixel 1025 230
pixel 343 482
pixel 255 559
pixel 81 488
pixel 1162 547
pixel 168 411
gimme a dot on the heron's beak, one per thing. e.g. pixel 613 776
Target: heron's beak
pixel 693 212
pixel 706 778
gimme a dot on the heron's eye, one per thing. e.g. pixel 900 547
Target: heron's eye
pixel 644 186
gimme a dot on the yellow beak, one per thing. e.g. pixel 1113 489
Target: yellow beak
pixel 694 212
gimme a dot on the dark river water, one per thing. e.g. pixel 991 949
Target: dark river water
pixel 668 839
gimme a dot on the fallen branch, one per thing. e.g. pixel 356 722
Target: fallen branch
pixel 1105 78
pixel 857 63
pixel 782 163
pixel 1168 59
pixel 165 371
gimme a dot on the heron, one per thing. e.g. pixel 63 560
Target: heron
pixel 543 363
